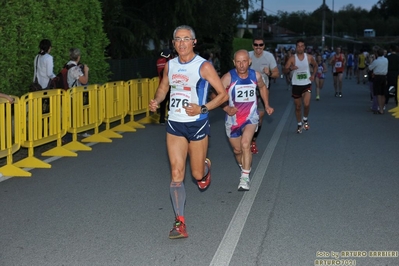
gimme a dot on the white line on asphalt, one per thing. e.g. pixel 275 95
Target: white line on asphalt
pixel 227 246
pixel 48 160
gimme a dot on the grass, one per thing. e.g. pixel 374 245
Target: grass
pixel 240 43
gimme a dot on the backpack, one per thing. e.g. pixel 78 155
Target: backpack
pixel 61 80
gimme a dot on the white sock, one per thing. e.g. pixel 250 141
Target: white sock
pixel 245 173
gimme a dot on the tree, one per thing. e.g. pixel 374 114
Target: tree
pixel 388 8
pixel 218 27
pixel 255 17
pixel 23 23
pixel 133 25
pixel 294 21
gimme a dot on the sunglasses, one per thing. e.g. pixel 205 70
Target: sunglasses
pixel 258 44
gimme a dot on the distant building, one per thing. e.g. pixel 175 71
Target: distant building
pixel 369 33
pixel 256 29
pixel 242 27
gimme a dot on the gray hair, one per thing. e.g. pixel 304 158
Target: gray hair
pixel 240 51
pixel 74 54
pixel 184 27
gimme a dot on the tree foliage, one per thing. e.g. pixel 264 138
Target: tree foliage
pixel 349 20
pixel 23 23
pixel 133 25
pixel 387 8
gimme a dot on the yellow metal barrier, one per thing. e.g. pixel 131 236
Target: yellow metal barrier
pixel 84 114
pixel 116 105
pixel 43 120
pixel 138 99
pixel 147 94
pixel 95 110
pixel 10 137
pixel 46 116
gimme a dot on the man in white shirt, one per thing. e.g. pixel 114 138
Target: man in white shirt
pixel 380 69
pixel 265 63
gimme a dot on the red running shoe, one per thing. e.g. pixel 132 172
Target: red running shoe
pixel 178 230
pixel 254 149
pixel 206 180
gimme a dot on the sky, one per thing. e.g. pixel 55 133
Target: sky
pixel 271 6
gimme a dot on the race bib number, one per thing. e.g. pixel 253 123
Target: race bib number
pixel 245 93
pixel 302 75
pixel 179 97
pixel 338 64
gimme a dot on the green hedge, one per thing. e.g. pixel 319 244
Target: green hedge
pixel 24 23
pixel 241 43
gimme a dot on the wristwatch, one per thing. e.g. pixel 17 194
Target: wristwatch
pixel 204 109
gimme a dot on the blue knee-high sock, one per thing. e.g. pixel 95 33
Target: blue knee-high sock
pixel 178 196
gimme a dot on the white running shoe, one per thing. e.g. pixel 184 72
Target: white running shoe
pixel 299 129
pixel 244 184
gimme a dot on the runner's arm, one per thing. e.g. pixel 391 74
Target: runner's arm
pixel 290 62
pixel 264 93
pixel 208 72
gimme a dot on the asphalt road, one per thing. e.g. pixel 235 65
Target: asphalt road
pixel 328 195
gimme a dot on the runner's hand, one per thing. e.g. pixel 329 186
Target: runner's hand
pixel 192 109
pixel 153 105
pixel 269 110
pixel 230 110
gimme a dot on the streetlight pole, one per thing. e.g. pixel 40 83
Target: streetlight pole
pixel 332 26
pixel 323 26
pixel 261 16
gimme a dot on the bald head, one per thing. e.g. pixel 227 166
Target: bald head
pixel 240 53
pixel 242 62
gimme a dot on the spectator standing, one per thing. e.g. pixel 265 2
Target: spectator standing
pixel 43 64
pixel 380 69
pixel 78 74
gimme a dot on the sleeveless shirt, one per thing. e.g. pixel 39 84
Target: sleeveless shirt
pixel 186 86
pixel 242 95
pixel 302 74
